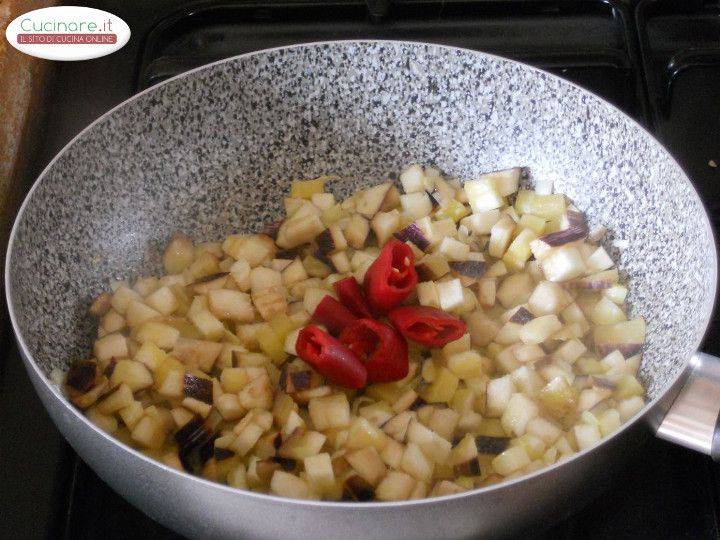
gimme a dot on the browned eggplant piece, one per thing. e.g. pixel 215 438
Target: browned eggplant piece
pixel 419 402
pixel 470 467
pixel 491 445
pixel 355 488
pixel 108 371
pixel 287 464
pixel 522 316
pixel 323 258
pixel 221 454
pixel 208 279
pixel 196 443
pixel 412 233
pixel 288 253
pixel 297 376
pixel 91 396
pixel 471 269
pixel 326 243
pixel 265 468
pixel 82 375
pixel 192 434
pixel 198 388
pixel 206 450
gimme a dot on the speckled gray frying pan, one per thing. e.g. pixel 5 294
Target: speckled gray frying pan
pixel 213 151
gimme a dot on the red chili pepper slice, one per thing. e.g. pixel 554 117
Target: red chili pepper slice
pixel 352 297
pixel 380 347
pixel 333 315
pixel 391 278
pixel 330 358
pixel 427 325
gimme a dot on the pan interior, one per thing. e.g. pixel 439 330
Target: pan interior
pixel 213 152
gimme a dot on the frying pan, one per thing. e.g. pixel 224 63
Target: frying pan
pixel 212 152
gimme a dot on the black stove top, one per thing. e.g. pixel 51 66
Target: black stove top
pixel 657 60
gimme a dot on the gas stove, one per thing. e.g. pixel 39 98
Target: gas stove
pixel 659 61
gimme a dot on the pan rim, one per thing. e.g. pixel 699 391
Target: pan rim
pixel 30 363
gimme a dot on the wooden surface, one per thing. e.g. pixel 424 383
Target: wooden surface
pixel 22 83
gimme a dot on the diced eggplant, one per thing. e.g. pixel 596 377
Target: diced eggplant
pixel 470 467
pixel 590 397
pixel 221 454
pixel 482 194
pixel 413 233
pixel 87 399
pixel 286 464
pixel 299 230
pixel 391 200
pixel 471 269
pixel 435 199
pixel 325 242
pixel 196 444
pixel 416 205
pixel 500 236
pixel 577 230
pixel 355 488
pixel 521 316
pixel 369 201
pixel 208 279
pixel 178 254
pixel 265 469
pixel 288 253
pixel 206 450
pixel 506 181
pixel 627 337
pixel 415 405
pixel 384 225
pixel 413 179
pixel 198 388
pixel 82 375
pixel 192 434
pixel 297 376
pixel 491 445
pixel 197 353
pixel 432 267
pixel 357 231
pixel 597 281
pixel 397 426
pixel 108 371
pixel 270 302
pixel 562 263
pixel 300 380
